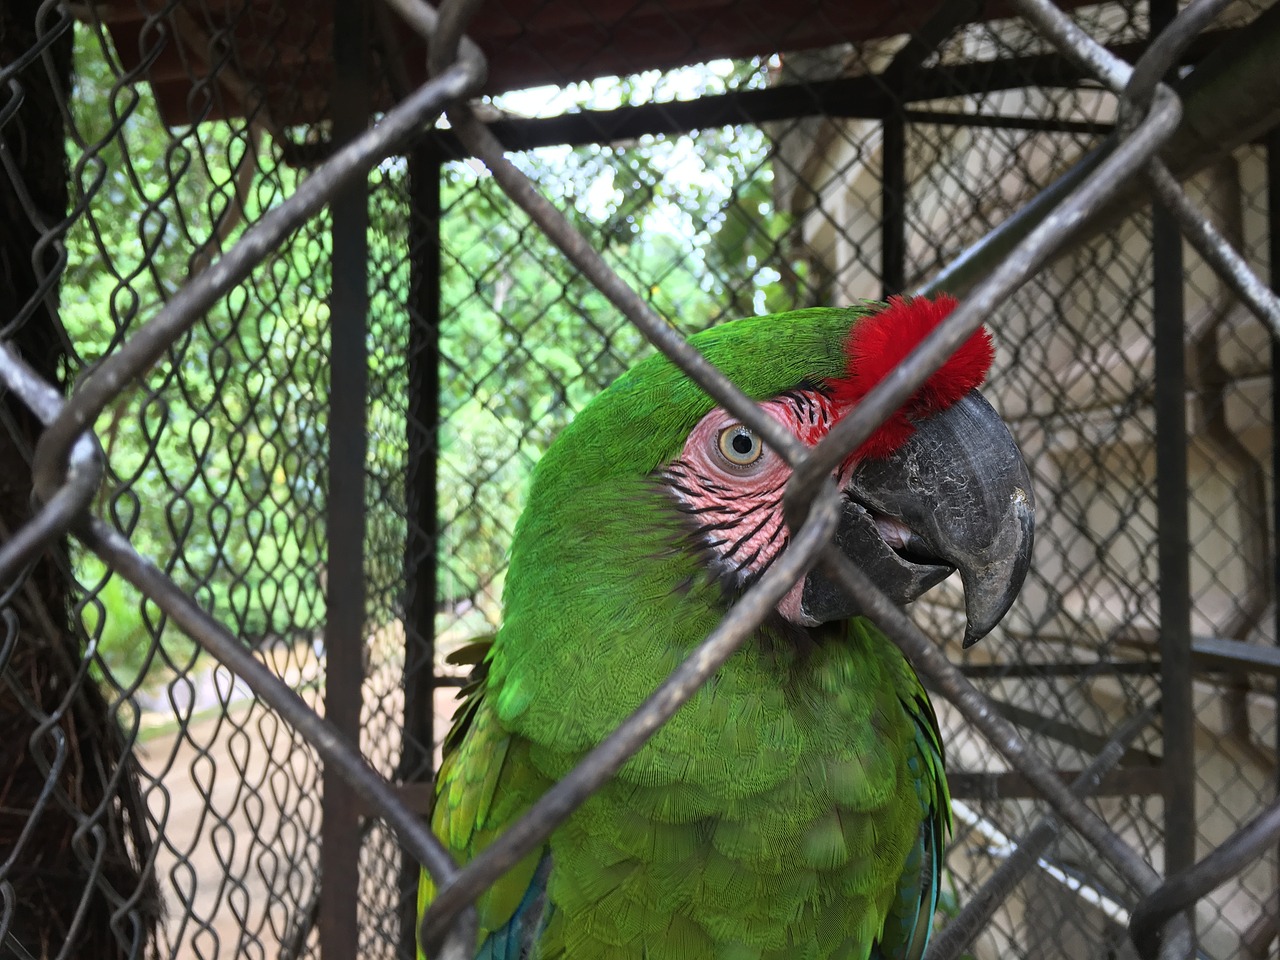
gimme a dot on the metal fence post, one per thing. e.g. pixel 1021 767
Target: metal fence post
pixel 1272 179
pixel 422 416
pixel 1177 715
pixel 1173 537
pixel 345 584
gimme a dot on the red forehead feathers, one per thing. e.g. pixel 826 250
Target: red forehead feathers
pixel 879 342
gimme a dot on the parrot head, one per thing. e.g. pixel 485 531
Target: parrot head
pixel 939 487
pixel 654 507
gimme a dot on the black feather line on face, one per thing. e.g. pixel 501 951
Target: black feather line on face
pixel 732 574
pixel 733 519
pixel 737 544
pixel 802 405
pixel 743 568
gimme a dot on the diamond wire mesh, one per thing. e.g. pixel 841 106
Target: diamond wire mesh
pixel 216 464
pixel 1054 373
pixel 211 467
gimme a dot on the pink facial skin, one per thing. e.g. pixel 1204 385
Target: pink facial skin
pixel 731 486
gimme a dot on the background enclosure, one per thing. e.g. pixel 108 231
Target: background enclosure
pixel 331 457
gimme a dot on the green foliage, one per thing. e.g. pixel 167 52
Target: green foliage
pixel 689 221
pixel 219 460
pixel 214 462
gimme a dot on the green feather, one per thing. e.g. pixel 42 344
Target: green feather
pixel 776 813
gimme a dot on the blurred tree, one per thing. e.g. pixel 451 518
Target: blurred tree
pixel 217 463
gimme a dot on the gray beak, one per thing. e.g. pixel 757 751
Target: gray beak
pixel 955 496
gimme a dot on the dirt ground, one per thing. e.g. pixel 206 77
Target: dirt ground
pixel 239 796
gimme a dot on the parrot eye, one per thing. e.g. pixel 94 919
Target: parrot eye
pixel 740 446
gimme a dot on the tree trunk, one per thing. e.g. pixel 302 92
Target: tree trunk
pixel 70 876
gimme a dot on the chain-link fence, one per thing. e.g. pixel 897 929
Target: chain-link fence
pixel 303 363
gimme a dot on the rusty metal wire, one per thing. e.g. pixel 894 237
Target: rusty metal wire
pixel 68 501
pixel 146 345
pixel 67 486
pixel 72 458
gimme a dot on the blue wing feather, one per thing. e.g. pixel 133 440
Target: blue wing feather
pixel 516 940
pixel 909 923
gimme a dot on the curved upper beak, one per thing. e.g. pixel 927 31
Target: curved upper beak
pixel 956 496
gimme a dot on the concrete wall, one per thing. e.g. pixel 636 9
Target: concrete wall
pixel 1075 377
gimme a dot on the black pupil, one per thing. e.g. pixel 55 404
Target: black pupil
pixel 742 444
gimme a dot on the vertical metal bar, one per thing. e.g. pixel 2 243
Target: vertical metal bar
pixel 1173 535
pixel 1173 538
pixel 1273 262
pixel 425 172
pixel 893 203
pixel 1174 546
pixel 345 590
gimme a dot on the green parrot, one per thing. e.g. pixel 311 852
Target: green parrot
pixel 797 806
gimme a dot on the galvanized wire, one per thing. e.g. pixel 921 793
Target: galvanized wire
pixel 69 464
pixel 961 930
pixel 854 429
pixel 575 247
pixel 1182 890
pixel 146 345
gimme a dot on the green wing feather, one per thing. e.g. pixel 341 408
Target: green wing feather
pixel 485 783
pixel 909 923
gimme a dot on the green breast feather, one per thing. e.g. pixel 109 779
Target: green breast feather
pixel 785 826
pixel 795 808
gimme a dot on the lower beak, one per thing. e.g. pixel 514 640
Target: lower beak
pixel 955 497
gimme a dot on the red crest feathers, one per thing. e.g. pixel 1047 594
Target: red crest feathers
pixel 879 342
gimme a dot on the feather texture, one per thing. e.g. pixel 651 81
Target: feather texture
pixel 884 340
pixel 795 807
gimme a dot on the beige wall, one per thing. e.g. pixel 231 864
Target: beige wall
pixel 1074 379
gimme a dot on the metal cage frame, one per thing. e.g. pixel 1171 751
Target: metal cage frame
pixel 68 462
